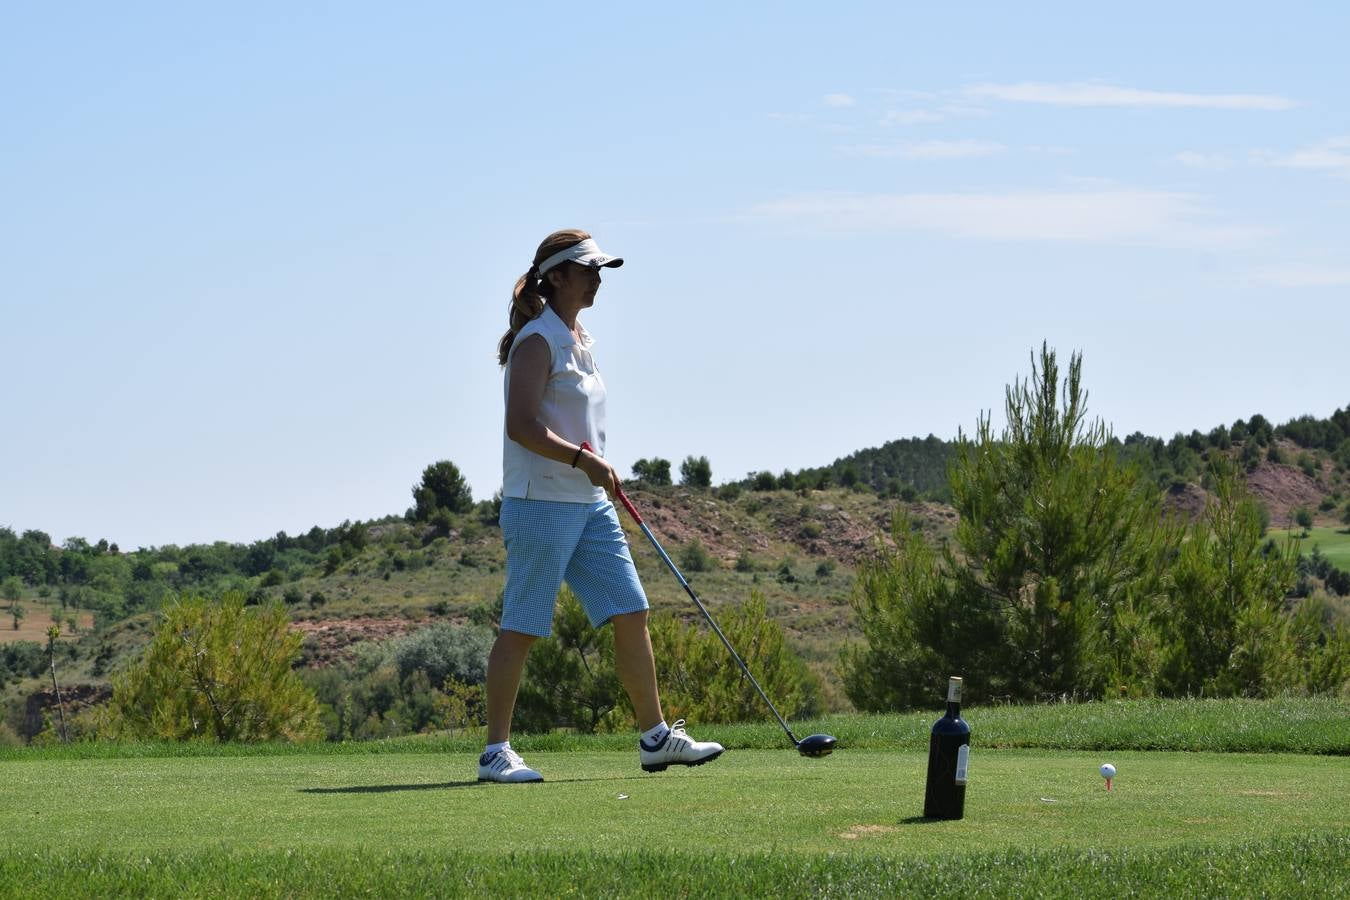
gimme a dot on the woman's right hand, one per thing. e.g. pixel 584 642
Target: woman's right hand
pixel 600 472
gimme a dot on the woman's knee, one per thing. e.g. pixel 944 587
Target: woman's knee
pixel 629 621
pixel 514 640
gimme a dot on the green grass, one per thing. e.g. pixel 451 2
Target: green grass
pixel 1333 542
pixel 1290 725
pixel 753 822
pixel 752 800
pixel 407 817
pixel 1311 866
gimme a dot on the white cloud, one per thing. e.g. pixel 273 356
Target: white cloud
pixel 893 94
pixel 910 117
pixel 840 101
pixel 1091 216
pixel 1302 276
pixel 1087 94
pixel 1332 154
pixel 925 116
pixel 1197 160
pixel 926 150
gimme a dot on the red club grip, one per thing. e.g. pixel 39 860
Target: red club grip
pixel 623 498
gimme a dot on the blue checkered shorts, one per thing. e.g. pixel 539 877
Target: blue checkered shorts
pixel 548 542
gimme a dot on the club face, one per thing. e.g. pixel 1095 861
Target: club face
pixel 817 745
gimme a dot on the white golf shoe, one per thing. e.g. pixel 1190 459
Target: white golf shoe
pixel 505 766
pixel 676 749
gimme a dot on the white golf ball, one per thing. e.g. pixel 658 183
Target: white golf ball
pixel 1108 770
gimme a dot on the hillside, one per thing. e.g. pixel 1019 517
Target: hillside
pixel 798 546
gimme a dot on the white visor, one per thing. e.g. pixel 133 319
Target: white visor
pixel 586 253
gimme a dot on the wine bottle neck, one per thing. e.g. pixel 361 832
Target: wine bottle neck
pixel 953 710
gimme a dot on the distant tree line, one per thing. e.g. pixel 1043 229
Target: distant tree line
pixel 113 584
pixel 1183 459
pixel 908 468
pixel 914 468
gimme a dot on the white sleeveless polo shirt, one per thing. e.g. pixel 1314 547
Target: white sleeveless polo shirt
pixel 573 408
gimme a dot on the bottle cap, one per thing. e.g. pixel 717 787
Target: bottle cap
pixel 954 689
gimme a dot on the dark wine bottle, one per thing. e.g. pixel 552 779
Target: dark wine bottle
pixel 944 796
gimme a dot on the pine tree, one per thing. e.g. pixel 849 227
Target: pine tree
pixel 1053 583
pixel 1226 610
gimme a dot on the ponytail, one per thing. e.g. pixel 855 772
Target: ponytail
pixel 526 303
pixel 532 292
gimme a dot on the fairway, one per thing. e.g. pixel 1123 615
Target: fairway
pixel 861 802
pixel 1333 542
pixel 408 817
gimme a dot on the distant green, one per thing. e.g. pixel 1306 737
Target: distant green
pixel 1333 542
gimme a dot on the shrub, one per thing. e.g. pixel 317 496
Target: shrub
pixel 696 472
pixel 489 512
pixel 217 671
pixel 428 680
pixel 1227 595
pixel 764 481
pixel 444 651
pixel 442 487
pixel 729 491
pixel 654 471
pixel 22 659
pixel 1308 465
pixel 696 558
pixel 700 681
pixel 570 679
pixel 1251 455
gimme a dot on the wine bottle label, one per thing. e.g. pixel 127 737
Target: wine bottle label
pixel 954 689
pixel 962 763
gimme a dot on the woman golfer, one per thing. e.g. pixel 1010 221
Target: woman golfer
pixel 556 517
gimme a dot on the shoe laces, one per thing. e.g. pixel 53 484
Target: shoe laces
pixel 512 757
pixel 678 728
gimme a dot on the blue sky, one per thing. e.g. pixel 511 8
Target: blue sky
pixel 254 260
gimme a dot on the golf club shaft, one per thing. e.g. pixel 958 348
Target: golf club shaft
pixel 632 511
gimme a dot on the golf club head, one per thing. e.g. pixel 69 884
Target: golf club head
pixel 817 745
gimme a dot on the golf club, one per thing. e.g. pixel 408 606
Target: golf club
pixel 814 745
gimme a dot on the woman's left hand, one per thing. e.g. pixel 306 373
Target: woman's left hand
pixel 600 472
